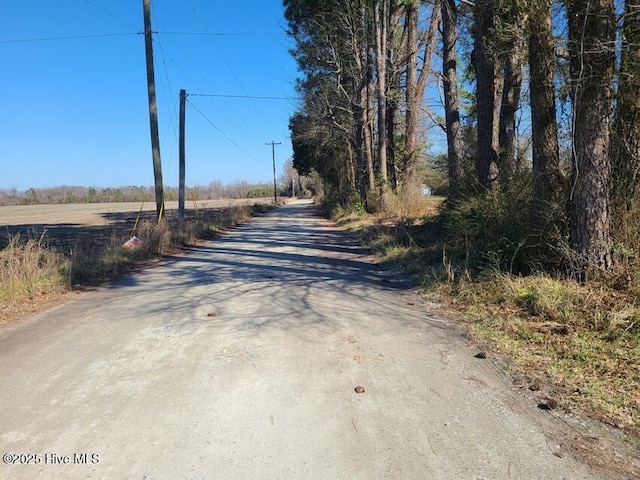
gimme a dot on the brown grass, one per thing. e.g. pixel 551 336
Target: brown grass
pixel 37 266
pixel 28 271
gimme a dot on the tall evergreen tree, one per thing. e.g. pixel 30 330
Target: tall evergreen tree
pixel 592 36
pixel 547 176
pixel 625 151
pixel 487 93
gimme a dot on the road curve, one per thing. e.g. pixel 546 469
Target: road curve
pixel 239 359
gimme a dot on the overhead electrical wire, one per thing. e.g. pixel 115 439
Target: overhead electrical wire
pixel 112 15
pixel 216 34
pixel 233 73
pixel 222 112
pixel 173 123
pixel 253 97
pixel 159 32
pixel 69 37
pixel 225 135
pixel 137 32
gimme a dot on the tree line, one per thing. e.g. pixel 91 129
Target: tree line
pixel 78 194
pixel 568 70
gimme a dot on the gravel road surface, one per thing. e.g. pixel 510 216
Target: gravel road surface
pixel 240 359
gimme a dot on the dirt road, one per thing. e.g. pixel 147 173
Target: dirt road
pixel 240 359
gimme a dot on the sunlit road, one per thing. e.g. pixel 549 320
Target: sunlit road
pixel 239 359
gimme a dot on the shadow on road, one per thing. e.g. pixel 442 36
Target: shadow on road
pixel 285 268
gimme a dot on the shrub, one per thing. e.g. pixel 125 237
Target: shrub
pixel 491 228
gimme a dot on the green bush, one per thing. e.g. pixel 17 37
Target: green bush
pixel 493 228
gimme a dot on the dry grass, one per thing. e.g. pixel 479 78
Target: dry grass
pixel 40 265
pixel 27 272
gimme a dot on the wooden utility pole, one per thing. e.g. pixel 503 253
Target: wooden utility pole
pixel 183 101
pixel 153 109
pixel 273 156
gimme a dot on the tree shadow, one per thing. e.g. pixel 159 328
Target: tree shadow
pixel 288 269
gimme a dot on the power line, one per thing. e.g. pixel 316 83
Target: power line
pixel 243 96
pixel 111 15
pixel 70 37
pixel 233 73
pixel 172 122
pixel 218 34
pixel 137 32
pixel 222 112
pixel 225 135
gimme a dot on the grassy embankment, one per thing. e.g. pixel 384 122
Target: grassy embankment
pixel 38 268
pixel 576 345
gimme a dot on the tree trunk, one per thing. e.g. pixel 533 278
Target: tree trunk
pixel 511 97
pixel 411 94
pixel 359 50
pixel 592 38
pixel 392 159
pixel 359 145
pixel 381 11
pixel 369 136
pixel 394 93
pixel 625 154
pixel 487 87
pixel 451 102
pixel 547 177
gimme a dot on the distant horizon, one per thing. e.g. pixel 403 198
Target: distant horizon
pixel 68 194
pixel 175 187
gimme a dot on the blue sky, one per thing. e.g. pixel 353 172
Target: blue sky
pixel 75 111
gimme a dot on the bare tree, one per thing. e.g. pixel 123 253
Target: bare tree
pixel 381 14
pixel 395 67
pixel 420 47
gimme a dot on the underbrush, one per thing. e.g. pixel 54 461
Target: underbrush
pixel 576 344
pixel 37 266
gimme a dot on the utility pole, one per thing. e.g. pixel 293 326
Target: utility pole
pixel 153 109
pixel 183 101
pixel 273 156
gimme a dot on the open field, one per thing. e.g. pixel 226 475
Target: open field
pixel 100 213
pixel 64 222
